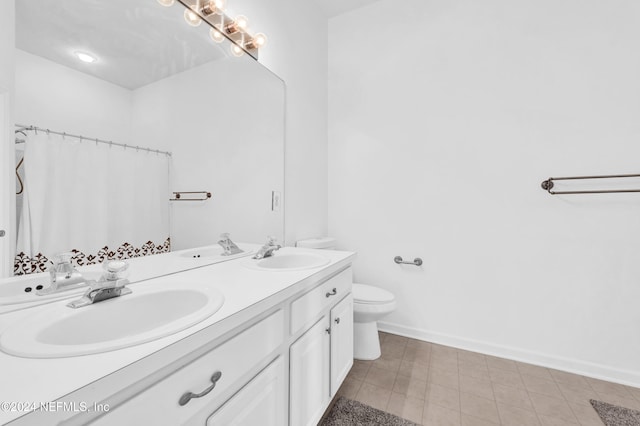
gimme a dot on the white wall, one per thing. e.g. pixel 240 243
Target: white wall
pixel 223 123
pixel 59 98
pixel 7 179
pixel 297 32
pixel 443 122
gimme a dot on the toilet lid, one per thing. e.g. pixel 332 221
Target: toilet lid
pixel 363 293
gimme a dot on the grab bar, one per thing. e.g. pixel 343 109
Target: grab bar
pixel 203 196
pixel 398 259
pixel 548 185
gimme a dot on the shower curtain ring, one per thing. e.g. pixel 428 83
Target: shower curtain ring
pixel 125 146
pixel 137 148
pixel 96 141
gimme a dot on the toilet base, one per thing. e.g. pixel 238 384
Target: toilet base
pixel 366 342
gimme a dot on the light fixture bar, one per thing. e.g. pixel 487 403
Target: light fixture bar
pixel 235 30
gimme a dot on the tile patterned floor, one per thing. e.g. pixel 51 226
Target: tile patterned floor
pixel 436 385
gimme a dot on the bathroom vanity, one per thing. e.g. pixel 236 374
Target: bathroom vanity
pixel 274 353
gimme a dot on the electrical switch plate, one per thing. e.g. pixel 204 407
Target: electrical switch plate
pixel 276 200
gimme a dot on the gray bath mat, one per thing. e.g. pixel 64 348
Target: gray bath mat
pixel 612 415
pixel 346 412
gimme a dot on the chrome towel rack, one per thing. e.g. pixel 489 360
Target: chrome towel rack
pixel 191 196
pixel 548 185
pixel 398 259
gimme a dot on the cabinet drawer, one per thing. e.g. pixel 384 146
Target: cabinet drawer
pixel 234 358
pixel 261 402
pixel 308 306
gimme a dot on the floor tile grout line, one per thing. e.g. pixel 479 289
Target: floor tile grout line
pixel 563 383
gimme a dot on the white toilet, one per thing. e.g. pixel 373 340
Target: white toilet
pixel 369 305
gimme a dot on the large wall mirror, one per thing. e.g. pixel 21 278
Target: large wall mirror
pixel 134 73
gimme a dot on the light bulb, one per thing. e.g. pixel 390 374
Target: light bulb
pixel 258 41
pixel 239 24
pixel 242 22
pixel 236 50
pixel 216 35
pixel 192 17
pixel 166 3
pixel 214 6
pixel 85 57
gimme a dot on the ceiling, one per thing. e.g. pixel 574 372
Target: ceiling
pixel 338 7
pixel 136 42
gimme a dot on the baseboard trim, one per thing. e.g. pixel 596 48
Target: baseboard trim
pixel 584 368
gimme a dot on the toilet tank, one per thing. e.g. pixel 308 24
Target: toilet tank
pixel 318 243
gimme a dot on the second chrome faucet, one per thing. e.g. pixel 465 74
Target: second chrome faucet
pixel 228 246
pixel 267 249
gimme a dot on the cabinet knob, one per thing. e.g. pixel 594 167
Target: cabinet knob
pixel 187 396
pixel 333 292
pixel 337 320
pixel 328 330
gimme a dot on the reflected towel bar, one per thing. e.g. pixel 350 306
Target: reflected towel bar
pixel 398 259
pixel 548 185
pixel 204 196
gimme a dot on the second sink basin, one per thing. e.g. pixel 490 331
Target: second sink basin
pixel 291 262
pixel 142 316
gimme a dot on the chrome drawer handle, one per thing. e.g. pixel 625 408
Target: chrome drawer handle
pixel 184 399
pixel 337 320
pixel 333 292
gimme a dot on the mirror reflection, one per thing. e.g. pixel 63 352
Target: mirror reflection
pixel 121 107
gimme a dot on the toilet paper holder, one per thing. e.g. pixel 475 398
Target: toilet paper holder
pixel 398 259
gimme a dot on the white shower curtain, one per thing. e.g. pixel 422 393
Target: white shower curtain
pixel 95 200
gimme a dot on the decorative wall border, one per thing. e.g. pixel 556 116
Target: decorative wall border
pixel 24 264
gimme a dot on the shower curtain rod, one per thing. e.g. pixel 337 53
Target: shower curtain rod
pixel 23 128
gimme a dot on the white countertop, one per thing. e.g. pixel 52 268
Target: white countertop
pixel 43 380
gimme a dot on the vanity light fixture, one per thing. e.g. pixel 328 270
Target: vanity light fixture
pixel 213 6
pixel 216 35
pixel 222 26
pixel 256 42
pixel 85 57
pixel 192 17
pixel 236 50
pixel 239 24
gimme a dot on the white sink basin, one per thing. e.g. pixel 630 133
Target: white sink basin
pixel 290 262
pixel 142 316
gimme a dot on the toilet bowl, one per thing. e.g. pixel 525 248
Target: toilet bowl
pixel 369 305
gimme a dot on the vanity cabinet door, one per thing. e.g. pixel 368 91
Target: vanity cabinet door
pixel 341 342
pixel 309 375
pixel 261 402
pixel 161 404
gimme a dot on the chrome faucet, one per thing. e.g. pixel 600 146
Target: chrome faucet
pixel 63 276
pixel 110 285
pixel 229 246
pixel 267 249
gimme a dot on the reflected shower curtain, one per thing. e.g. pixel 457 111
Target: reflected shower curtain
pixel 95 200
